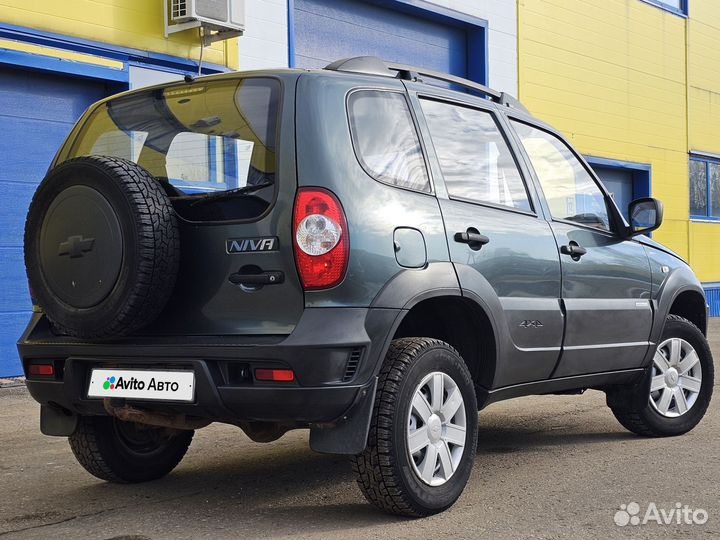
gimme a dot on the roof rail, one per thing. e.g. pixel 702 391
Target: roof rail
pixel 372 65
pixel 410 73
pixel 367 65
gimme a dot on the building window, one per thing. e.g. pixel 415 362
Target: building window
pixel 679 7
pixel 704 187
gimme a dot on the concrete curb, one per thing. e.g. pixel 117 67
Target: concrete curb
pixel 12 382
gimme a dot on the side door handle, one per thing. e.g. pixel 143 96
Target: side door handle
pixel 472 238
pixel 573 249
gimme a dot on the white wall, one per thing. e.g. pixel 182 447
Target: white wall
pixel 264 44
pixel 140 77
pixel 501 16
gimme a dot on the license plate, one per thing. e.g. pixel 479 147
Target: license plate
pixel 142 384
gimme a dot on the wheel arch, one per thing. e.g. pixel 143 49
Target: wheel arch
pixel 691 305
pixel 464 325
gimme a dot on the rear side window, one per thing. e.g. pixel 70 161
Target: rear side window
pixel 385 139
pixel 476 162
pixel 202 137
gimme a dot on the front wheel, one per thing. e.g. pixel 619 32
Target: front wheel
pixel 423 431
pixel 126 452
pixel 676 391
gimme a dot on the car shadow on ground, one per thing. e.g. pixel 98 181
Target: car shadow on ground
pixel 250 490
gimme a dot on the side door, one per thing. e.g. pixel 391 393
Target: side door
pixel 501 246
pixel 606 277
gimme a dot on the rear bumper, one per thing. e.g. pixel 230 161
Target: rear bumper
pixel 334 353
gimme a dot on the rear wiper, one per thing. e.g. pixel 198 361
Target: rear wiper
pixel 230 193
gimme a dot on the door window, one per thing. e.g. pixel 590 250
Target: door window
pixel 475 160
pixel 571 193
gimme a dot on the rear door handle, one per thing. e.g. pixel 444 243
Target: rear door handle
pixel 573 249
pixel 472 238
pixel 263 278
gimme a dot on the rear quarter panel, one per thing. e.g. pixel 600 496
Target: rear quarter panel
pixel 326 158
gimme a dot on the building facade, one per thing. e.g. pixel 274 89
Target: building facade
pixel 56 58
pixel 476 39
pixel 635 84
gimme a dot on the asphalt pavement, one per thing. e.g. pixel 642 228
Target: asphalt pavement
pixel 547 467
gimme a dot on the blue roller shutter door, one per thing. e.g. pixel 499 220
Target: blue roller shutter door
pixel 327 30
pixel 37 111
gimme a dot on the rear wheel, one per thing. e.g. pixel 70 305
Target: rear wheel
pixel 126 452
pixel 423 431
pixel 676 391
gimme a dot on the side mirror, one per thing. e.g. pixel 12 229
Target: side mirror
pixel 645 215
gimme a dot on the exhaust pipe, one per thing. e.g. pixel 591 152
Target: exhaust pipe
pixel 126 413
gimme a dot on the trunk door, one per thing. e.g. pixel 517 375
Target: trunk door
pixel 225 151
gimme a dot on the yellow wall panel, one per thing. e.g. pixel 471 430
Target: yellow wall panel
pixel 705 250
pixel 704 75
pixel 130 23
pixel 675 233
pixel 704 121
pixel 613 76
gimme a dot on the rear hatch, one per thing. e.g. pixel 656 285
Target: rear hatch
pixel 224 151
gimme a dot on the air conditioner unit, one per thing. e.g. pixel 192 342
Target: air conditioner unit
pixel 217 15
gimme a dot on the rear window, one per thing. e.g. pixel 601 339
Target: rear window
pixel 385 139
pixel 202 137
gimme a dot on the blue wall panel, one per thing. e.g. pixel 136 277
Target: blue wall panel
pixel 37 111
pixel 13 325
pixel 713 300
pixel 619 182
pixel 327 30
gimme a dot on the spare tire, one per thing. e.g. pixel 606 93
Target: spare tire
pixel 102 247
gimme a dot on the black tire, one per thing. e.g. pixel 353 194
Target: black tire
pixel 102 247
pixel 634 410
pixel 384 472
pixel 124 452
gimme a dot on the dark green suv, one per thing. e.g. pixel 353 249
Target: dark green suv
pixel 370 251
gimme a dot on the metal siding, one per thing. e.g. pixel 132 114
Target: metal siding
pixel 713 300
pixel 36 113
pixel 327 30
pixel 126 23
pixel 612 77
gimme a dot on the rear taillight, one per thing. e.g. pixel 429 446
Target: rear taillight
pixel 322 242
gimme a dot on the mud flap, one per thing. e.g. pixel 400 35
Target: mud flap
pixel 631 396
pixel 349 435
pixel 57 422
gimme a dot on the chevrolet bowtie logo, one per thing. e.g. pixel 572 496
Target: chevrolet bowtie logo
pixel 75 246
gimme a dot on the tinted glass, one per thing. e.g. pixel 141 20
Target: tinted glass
pixel 385 139
pixel 476 161
pixel 698 188
pixel 202 137
pixel 715 189
pixel 571 193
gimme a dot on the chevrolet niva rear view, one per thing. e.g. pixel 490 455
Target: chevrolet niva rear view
pixel 372 252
